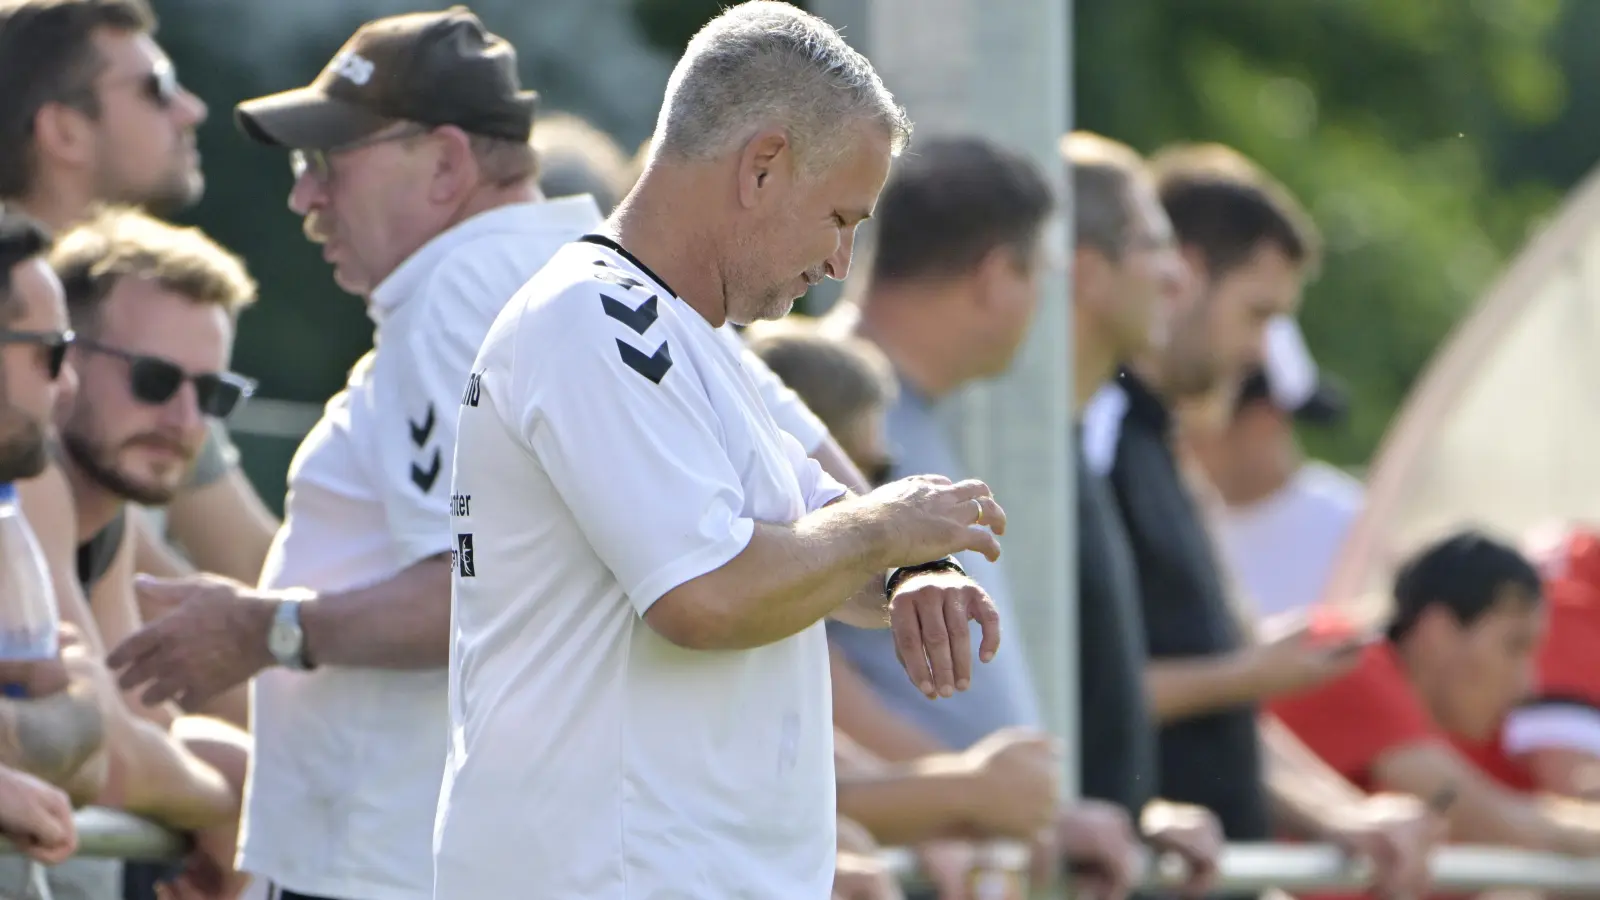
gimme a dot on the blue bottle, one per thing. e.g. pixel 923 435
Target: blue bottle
pixel 30 626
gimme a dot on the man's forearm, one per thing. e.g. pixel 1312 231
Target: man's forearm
pixel 1183 688
pixel 865 719
pixel 787 578
pixel 908 804
pixel 54 737
pixel 1307 795
pixel 400 623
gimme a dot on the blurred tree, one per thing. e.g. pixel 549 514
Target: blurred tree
pixel 1387 119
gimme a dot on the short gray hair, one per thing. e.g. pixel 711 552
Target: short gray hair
pixel 764 64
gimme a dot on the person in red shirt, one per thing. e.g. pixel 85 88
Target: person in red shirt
pixel 1411 718
pixel 1551 742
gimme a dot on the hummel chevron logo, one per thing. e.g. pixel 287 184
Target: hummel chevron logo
pixel 639 319
pixel 652 367
pixel 420 432
pixel 424 478
pixel 617 278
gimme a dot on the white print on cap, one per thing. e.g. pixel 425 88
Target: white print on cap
pixel 353 66
pixel 1291 373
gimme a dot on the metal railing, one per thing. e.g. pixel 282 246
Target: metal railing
pixel 1244 867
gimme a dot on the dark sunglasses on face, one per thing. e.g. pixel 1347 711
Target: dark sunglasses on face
pixel 53 343
pixel 155 381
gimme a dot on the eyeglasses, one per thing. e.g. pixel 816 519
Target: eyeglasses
pixel 317 164
pixel 159 85
pixel 155 381
pixel 53 343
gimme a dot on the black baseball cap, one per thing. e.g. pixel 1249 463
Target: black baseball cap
pixel 436 68
pixel 1290 380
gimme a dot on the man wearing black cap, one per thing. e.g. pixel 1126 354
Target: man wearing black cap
pixel 1284 517
pixel 413 170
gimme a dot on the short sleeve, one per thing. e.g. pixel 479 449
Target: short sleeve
pixel 626 432
pixel 423 377
pixel 1351 721
pixel 783 404
pixel 818 487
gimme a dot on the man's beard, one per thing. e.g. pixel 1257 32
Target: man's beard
pixel 98 465
pixel 22 453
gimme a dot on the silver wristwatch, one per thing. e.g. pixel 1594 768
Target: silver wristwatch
pixel 286 640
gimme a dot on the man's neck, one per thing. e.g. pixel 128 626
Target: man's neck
pixel 94 506
pixel 1249 488
pixel 651 226
pixel 924 352
pixel 56 210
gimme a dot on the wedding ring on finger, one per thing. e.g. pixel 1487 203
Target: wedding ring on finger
pixel 980 511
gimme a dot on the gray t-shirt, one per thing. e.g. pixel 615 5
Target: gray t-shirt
pixel 1001 693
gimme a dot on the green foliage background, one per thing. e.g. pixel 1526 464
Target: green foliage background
pixel 1427 137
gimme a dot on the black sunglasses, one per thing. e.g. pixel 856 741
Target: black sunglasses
pixel 154 380
pixel 54 344
pixel 160 85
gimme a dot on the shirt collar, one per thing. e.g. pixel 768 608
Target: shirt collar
pixel 577 214
pixel 1144 405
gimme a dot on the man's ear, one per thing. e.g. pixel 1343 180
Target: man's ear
pixel 455 167
pixel 62 132
pixel 766 162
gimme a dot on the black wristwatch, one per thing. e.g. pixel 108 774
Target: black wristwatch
pixel 897 575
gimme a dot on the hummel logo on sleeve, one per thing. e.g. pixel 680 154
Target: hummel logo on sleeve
pixel 421 431
pixel 424 478
pixel 652 367
pixel 474 389
pixel 639 319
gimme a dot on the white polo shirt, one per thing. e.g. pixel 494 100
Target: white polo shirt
pixel 612 446
pixel 345 774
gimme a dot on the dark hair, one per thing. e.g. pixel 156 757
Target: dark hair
pixel 1226 206
pixel 21 239
pixel 47 55
pixel 1104 174
pixel 1465 573
pixel 951 203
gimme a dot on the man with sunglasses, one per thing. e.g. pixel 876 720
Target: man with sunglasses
pixel 105 120
pixel 153 308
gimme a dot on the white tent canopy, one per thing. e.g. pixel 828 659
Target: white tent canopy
pixel 1502 431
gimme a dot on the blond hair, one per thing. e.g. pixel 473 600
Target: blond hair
pixel 122 242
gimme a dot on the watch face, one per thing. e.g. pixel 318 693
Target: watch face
pixel 284 639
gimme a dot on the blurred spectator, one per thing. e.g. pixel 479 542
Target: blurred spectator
pixel 577 158
pixel 1552 740
pixel 847 382
pixel 1459 655
pixel 948 296
pixel 1283 518
pixel 1249 247
pixel 428 210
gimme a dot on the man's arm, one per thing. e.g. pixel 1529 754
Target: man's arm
pixel 1485 813
pixel 1184 688
pixel 401 622
pixel 58 739
pixel 1308 797
pixel 47 504
pixel 879 730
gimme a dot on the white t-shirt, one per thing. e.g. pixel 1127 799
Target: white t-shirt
pixel 1284 547
pixel 612 447
pixel 345 774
